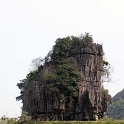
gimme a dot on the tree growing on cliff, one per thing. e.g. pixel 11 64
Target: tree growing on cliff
pixel 63 82
pixel 35 63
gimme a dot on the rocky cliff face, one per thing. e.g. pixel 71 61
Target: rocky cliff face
pixel 92 101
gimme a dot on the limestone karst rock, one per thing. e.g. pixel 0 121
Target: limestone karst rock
pixel 92 100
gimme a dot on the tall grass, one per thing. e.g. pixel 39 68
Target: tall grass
pixel 72 122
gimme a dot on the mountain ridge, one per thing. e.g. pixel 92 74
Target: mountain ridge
pixel 116 109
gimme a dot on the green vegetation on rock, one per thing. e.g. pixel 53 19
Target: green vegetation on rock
pixel 59 73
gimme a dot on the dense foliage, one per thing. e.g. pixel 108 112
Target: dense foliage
pixel 23 83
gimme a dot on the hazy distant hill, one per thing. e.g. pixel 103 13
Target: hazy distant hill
pixel 119 96
pixel 116 109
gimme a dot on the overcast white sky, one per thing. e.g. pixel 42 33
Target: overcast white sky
pixel 29 28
